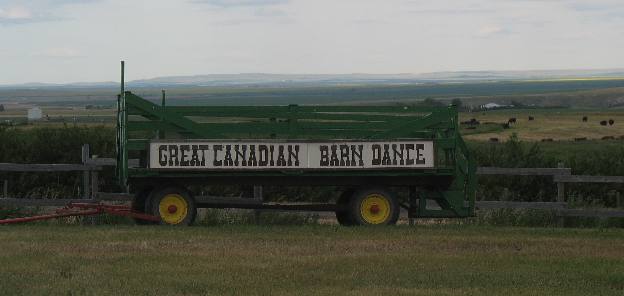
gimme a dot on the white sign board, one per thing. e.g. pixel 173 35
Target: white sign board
pixel 258 155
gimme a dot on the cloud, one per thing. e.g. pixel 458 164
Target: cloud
pixel 60 52
pixel 241 3
pixel 490 31
pixel 14 12
pixel 457 11
pixel 243 12
pixel 18 15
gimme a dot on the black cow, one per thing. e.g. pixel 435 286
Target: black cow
pixel 493 139
pixel 531 118
pixel 584 118
pixel 511 120
pixel 611 121
pixel 604 122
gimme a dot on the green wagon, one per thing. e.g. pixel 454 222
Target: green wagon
pixel 371 152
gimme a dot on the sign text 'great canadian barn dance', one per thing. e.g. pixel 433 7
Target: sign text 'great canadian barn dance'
pixel 218 155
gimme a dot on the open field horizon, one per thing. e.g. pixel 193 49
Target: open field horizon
pixel 557 105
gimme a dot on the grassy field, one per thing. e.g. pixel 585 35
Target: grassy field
pixel 556 124
pixel 310 260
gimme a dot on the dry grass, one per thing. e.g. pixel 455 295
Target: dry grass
pixel 310 260
pixel 553 124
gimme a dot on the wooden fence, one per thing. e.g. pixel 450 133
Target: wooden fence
pixel 90 168
pixel 561 176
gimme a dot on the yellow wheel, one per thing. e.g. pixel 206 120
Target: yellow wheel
pixel 374 207
pixel 174 206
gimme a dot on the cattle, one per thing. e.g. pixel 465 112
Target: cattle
pixel 495 140
pixel 611 121
pixel 531 118
pixel 511 120
pixel 604 122
pixel 472 121
pixel 584 118
pixel 580 139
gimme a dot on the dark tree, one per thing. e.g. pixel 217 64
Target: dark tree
pixel 457 102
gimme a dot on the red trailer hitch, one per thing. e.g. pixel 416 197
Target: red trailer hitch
pixel 87 209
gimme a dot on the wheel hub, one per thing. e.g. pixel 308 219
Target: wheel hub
pixel 375 209
pixel 173 208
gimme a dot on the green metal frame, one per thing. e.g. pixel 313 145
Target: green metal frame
pixel 139 121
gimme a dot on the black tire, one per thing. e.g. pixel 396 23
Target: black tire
pixel 382 204
pixel 183 218
pixel 139 205
pixel 343 216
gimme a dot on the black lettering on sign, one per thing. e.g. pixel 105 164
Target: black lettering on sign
pixel 398 153
pixel 281 160
pixel 252 156
pixel 293 153
pixel 203 149
pixel 194 156
pixel 324 155
pixel 162 155
pixel 357 152
pixel 386 156
pixel 376 154
pixel 240 152
pixel 344 155
pixel 271 150
pixel 419 157
pixel 227 160
pixel 408 159
pixel 217 162
pixel 264 155
pixel 173 155
pixel 183 154
pixel 334 157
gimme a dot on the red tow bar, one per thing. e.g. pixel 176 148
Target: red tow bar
pixel 87 209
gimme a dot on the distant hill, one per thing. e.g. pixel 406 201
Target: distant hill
pixel 290 80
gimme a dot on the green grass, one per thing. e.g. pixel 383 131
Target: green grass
pixel 310 260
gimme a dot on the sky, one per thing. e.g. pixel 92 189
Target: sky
pixel 61 41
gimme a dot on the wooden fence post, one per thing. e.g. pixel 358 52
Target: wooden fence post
pixel 85 174
pixel 257 195
pixel 560 187
pixel 95 184
pixel 412 198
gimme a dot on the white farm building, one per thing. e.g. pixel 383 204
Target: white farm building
pixel 34 114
